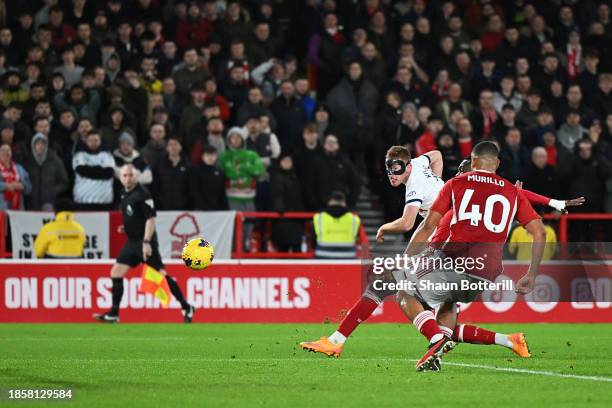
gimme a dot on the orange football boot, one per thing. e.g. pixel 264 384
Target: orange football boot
pixel 323 345
pixel 519 345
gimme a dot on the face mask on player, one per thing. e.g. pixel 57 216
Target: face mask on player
pixel 395 167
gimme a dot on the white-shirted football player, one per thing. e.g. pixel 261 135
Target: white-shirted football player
pixel 423 182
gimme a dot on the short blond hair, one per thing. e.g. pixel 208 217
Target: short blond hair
pixel 399 152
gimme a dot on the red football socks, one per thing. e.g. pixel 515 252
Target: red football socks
pixel 358 313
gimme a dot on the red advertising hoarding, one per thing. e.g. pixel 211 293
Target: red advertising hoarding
pixel 248 291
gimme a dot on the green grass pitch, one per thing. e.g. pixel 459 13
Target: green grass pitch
pixel 172 365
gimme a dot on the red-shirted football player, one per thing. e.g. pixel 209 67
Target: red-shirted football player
pixel 483 207
pixel 447 318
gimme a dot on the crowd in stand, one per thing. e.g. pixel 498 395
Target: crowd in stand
pixel 274 105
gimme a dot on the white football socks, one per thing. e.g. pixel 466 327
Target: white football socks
pixel 502 340
pixel 337 338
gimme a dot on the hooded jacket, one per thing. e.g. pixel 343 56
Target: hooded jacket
pixel 242 168
pixel 47 174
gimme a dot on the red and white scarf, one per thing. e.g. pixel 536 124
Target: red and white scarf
pixel 10 175
pixel 489 116
pixel 574 54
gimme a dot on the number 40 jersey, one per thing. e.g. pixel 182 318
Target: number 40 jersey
pixel 483 207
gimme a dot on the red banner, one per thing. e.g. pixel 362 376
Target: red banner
pixel 246 291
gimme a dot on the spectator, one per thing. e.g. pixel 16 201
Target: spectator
pixel 334 172
pixel 453 102
pixel 192 113
pixel 483 119
pixel 7 137
pixel 213 137
pixel 529 110
pixel 465 141
pixel 267 147
pixel 514 156
pixel 323 51
pixel 207 183
pixel 70 71
pixel 602 96
pixel 507 95
pixel 86 103
pixel 286 196
pixel 125 153
pixel 508 116
pixel 353 104
pixel 290 115
pixel 571 131
pixel 212 97
pixel 193 31
pixel 155 149
pixel 242 168
pixel 262 46
pixel 253 106
pixel 47 174
pixel 541 177
pixel 410 127
pixel 450 153
pixel 588 176
pixel 14 181
pixel 117 125
pixel 556 154
pixel 171 175
pixel 95 172
pixel 13 90
pixel 427 141
pixel 575 102
pixel 302 92
pixel 191 73
pixel 304 157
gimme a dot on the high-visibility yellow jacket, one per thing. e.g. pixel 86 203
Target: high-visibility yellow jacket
pixel 336 236
pixel 61 238
pixel 520 243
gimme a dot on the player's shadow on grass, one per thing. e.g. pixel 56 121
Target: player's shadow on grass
pixel 38 381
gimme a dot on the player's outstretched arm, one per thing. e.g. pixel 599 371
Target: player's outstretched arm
pixel 559 205
pixel 401 225
pixel 436 162
pixel 536 229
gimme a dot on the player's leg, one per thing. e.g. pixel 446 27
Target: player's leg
pixel 360 312
pixel 156 262
pixel 118 271
pixel 425 322
pixel 467 333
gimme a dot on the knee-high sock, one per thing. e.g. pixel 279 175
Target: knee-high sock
pixel 466 333
pixel 425 322
pixel 177 292
pixel 117 294
pixel 358 313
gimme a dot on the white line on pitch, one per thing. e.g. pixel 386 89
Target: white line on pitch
pixel 533 372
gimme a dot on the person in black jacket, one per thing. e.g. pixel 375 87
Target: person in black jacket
pixel 171 179
pixel 47 173
pixel 286 196
pixel 207 183
pixel 541 177
pixel 304 157
pixel 514 156
pixel 589 173
pixel 334 172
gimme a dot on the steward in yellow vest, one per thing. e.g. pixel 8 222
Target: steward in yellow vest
pixel 61 238
pixel 336 230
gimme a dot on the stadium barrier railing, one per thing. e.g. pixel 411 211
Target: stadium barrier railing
pixel 363 245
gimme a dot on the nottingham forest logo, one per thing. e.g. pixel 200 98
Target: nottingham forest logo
pixel 184 227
